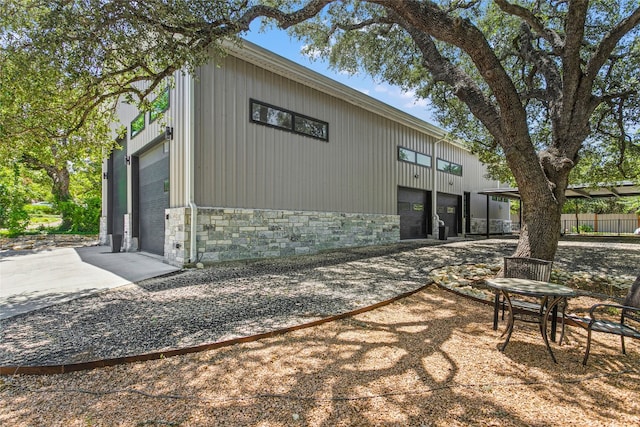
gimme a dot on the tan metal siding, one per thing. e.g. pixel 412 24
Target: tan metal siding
pixel 152 131
pixel 247 165
pixel 243 164
pixel 175 117
pixel 420 143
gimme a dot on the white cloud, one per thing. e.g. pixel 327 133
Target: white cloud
pixel 418 103
pixel 309 52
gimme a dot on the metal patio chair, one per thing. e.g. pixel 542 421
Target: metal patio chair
pixel 523 268
pixel 627 326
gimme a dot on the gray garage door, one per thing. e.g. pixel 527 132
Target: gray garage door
pixel 153 198
pixel 412 208
pixel 449 212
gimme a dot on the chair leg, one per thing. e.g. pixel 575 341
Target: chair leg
pixel 586 353
pixel 624 351
pixel 564 306
pixel 496 301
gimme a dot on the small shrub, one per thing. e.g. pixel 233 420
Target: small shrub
pixel 585 228
pixel 12 202
pixel 83 217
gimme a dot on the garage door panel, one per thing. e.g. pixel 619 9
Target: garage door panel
pixel 154 198
pixel 448 211
pixel 412 208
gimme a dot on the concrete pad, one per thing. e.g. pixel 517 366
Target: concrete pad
pixel 32 280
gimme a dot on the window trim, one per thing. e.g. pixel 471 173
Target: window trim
pixel 415 157
pixel 293 115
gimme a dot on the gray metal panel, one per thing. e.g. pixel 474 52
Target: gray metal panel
pixel 243 164
pixel 118 177
pixel 154 199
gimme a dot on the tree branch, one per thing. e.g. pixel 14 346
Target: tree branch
pixel 609 43
pixel 534 23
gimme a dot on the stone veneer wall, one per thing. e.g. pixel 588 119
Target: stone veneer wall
pixel 103 237
pixel 225 234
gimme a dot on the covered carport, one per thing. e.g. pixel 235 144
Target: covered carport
pixel 578 191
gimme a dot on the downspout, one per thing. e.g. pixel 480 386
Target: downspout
pixel 189 162
pixel 434 194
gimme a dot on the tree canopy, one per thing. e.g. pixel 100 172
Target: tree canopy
pixel 45 124
pixel 533 86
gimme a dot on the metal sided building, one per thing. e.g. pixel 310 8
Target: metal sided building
pixel 256 156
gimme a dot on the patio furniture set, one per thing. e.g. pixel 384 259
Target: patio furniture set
pixel 526 294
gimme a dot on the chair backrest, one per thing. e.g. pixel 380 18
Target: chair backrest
pixel 633 300
pixel 527 268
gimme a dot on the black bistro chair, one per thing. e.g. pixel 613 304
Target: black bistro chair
pixel 523 268
pixel 627 326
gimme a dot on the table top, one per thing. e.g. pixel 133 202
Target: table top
pixel 528 287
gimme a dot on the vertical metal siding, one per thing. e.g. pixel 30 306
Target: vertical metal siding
pixel 243 164
pixel 172 117
pixel 175 118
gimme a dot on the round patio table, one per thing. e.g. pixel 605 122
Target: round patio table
pixel 551 295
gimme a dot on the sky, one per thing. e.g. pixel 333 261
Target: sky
pixel 280 42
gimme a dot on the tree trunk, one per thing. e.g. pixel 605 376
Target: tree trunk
pixel 540 230
pixel 60 180
pixel 60 191
pixel 542 180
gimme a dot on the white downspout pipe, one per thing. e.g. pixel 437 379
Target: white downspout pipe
pixel 434 193
pixel 189 160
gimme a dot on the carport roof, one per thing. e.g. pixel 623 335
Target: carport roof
pixel 579 191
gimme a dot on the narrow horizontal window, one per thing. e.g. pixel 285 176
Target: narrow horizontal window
pixel 276 117
pixel 159 105
pixel 423 160
pixel 449 167
pixel 406 155
pixel 271 116
pixel 310 127
pixel 137 125
pixel 411 156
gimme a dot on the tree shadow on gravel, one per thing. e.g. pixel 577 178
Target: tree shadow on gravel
pixel 134 321
pixel 430 359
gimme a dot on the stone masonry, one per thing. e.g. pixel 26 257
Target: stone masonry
pixel 225 234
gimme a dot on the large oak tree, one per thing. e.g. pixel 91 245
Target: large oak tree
pixel 531 84
pixel 44 123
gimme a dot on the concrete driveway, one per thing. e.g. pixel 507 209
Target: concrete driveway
pixel 31 280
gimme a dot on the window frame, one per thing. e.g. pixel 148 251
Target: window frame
pixel 292 128
pixel 449 167
pixel 415 157
pixel 154 113
pixel 136 132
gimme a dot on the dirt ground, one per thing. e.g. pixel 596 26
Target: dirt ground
pixel 428 360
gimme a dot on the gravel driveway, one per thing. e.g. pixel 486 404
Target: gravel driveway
pixel 227 301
